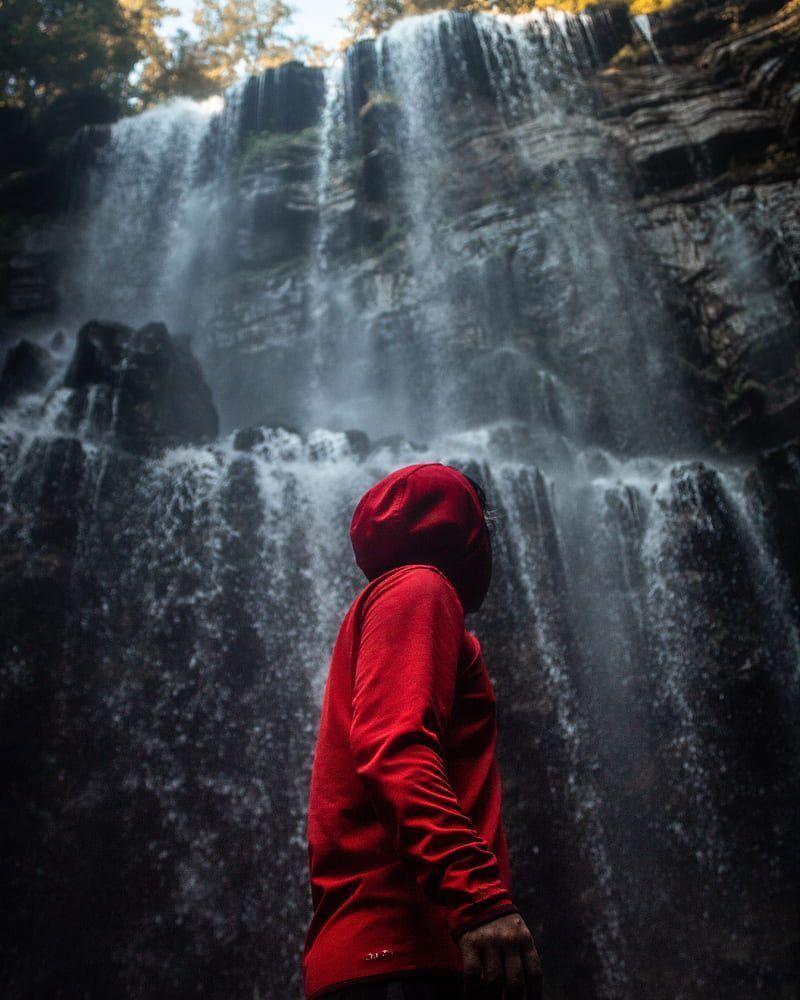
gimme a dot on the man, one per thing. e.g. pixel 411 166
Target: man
pixel 410 880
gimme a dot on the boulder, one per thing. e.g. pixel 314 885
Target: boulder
pixel 142 388
pixel 258 435
pixel 25 370
pixel 359 442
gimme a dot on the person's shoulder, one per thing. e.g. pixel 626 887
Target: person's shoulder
pixel 415 582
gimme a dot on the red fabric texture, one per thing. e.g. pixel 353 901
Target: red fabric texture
pixel 405 840
pixel 425 513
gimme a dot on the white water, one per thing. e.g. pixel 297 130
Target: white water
pixel 481 346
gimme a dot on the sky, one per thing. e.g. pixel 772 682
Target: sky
pixel 317 19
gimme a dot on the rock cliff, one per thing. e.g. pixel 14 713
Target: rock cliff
pixel 562 253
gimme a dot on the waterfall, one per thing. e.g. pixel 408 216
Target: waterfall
pixel 432 251
pixel 155 204
pixel 642 22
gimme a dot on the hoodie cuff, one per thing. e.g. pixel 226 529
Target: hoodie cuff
pixel 500 909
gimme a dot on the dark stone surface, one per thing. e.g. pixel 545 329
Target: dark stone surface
pixel 678 126
pixel 286 98
pixel 704 176
pixel 66 114
pixel 777 485
pixel 33 283
pixel 102 753
pixel 25 370
pixel 149 390
pixel 278 201
pixel 251 438
pixel 22 145
pixel 359 442
pixel 35 191
pixel 161 616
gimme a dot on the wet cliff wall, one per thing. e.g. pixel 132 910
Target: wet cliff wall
pixel 561 253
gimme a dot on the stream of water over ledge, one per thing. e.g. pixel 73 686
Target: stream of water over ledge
pixel 434 251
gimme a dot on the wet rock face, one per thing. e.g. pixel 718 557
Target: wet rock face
pixel 285 99
pixel 763 56
pixel 591 268
pixel 32 283
pixel 277 199
pixel 687 167
pixel 142 388
pixel 714 169
pixel 22 145
pixel 776 484
pixel 735 258
pixel 678 124
pixel 25 370
pixel 684 155
pixel 149 785
pixel 70 112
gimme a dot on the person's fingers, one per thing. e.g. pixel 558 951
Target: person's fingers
pixel 493 973
pixel 533 971
pixel 473 968
pixel 514 976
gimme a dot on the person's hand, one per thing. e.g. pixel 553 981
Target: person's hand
pixel 501 954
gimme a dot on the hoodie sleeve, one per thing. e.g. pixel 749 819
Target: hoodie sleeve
pixel 403 693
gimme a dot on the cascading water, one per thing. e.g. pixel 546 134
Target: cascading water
pixel 155 206
pixel 447 256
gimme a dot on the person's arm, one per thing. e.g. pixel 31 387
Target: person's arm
pixel 403 694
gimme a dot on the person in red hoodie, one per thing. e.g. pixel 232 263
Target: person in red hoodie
pixel 409 870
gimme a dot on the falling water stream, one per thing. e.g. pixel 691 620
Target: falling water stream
pixel 640 632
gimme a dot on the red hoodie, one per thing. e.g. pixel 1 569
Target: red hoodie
pixel 405 841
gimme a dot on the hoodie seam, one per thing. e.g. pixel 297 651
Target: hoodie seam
pixel 402 492
pixel 478 540
pixel 436 569
pixel 401 495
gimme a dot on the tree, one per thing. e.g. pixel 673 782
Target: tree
pixel 373 16
pixel 183 72
pixel 237 37
pixel 144 18
pixel 53 47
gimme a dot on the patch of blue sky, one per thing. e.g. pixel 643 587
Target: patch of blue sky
pixel 317 20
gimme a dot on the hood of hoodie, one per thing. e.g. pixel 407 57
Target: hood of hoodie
pixel 425 513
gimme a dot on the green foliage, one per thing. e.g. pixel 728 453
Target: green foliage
pixel 53 47
pixel 166 68
pixel 370 17
pixel 374 16
pixel 632 55
pixel 247 36
pixel 239 36
pixel 778 159
pixel 262 147
pixel 50 48
pixel 179 71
